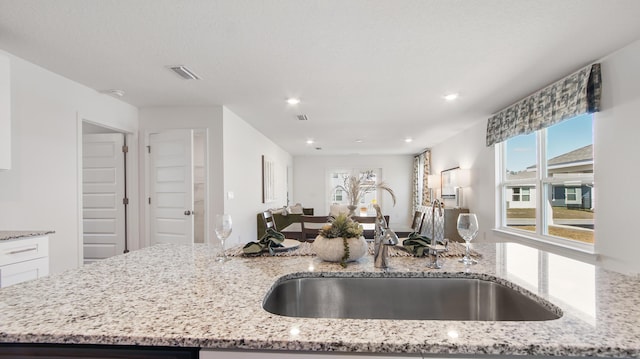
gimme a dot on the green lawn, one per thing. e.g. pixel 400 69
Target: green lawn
pixel 558 212
pixel 577 234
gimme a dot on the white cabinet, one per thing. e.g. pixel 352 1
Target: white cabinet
pixel 5 113
pixel 23 259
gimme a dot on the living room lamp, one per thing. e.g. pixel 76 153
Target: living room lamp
pixel 463 179
pixel 433 183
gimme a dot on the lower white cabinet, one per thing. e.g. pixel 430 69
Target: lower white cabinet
pixel 23 259
pixel 250 354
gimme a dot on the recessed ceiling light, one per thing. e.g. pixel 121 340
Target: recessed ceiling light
pixel 359 141
pixel 309 142
pixel 113 92
pixel 451 96
pixel 293 101
pixel 407 140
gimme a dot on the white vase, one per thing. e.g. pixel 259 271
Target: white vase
pixel 332 249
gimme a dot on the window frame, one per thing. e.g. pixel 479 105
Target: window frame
pixel 543 185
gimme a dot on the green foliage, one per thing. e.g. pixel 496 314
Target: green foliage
pixel 342 226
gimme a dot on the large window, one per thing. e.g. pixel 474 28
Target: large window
pixel 337 177
pixel 547 185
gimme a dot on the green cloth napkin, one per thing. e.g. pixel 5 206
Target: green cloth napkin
pixel 271 239
pixel 416 244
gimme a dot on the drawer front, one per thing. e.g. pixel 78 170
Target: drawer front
pixel 23 271
pixel 20 250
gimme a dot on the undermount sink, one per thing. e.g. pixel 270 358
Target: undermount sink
pixel 400 298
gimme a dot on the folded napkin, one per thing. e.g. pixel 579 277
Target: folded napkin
pixel 416 244
pixel 271 239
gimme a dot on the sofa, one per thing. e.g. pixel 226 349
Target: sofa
pixel 282 220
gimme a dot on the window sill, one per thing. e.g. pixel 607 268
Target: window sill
pixel 579 251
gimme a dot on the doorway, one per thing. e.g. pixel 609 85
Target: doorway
pixel 104 199
pixel 177 182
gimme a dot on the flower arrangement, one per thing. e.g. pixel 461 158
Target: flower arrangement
pixel 343 227
pixel 355 187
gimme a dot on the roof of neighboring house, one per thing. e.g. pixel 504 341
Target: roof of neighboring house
pixel 581 154
pixel 522 175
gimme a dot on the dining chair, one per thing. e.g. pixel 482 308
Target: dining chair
pixel 269 221
pixel 368 234
pixel 416 224
pixel 309 232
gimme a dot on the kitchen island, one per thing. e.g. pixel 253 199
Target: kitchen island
pixel 178 296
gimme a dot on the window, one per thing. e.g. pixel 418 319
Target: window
pixel 337 177
pixel 520 194
pixel 547 182
pixel 516 195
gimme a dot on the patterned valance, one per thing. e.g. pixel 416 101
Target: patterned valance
pixel 574 95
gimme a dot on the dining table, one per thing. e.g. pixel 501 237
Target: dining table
pixel 294 230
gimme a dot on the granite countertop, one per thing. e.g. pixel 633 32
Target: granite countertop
pixel 6 235
pixel 177 296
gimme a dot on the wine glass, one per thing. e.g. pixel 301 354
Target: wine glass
pixel 468 229
pixel 223 231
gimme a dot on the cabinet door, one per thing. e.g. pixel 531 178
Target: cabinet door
pixel 23 271
pixel 5 113
pixel 451 223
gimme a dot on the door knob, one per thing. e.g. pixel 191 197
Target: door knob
pixel 188 213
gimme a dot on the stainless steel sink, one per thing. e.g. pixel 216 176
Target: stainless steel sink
pixel 405 298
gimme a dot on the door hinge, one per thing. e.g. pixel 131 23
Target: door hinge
pixel 148 149
pixel 125 201
pixel 125 149
pixel 149 200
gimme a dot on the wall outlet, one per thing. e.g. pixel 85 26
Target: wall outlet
pixel 230 195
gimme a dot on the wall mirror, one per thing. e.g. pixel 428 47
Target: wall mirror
pixel 449 182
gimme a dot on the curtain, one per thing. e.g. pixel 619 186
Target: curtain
pixel 426 157
pixel 417 190
pixel 574 95
pixel 421 171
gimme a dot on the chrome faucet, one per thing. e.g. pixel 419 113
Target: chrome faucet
pixel 433 251
pixel 383 238
pixel 434 203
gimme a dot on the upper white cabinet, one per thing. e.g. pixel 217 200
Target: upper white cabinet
pixel 5 113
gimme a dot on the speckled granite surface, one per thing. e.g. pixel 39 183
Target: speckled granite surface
pixel 6 235
pixel 178 296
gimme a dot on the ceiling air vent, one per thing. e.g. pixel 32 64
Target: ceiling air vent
pixel 184 72
pixel 302 117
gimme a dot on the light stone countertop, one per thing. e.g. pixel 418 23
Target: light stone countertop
pixel 177 296
pixel 7 235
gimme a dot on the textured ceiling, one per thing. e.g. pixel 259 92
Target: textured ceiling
pixel 364 69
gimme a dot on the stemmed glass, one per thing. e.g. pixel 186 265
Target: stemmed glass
pixel 223 231
pixel 468 229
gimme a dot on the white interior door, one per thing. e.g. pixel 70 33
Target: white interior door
pixel 171 187
pixel 102 195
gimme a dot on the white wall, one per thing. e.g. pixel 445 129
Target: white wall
pixel 243 150
pixel 617 169
pixel 42 190
pixel 310 182
pixel 156 119
pixel 615 163
pixel 467 150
